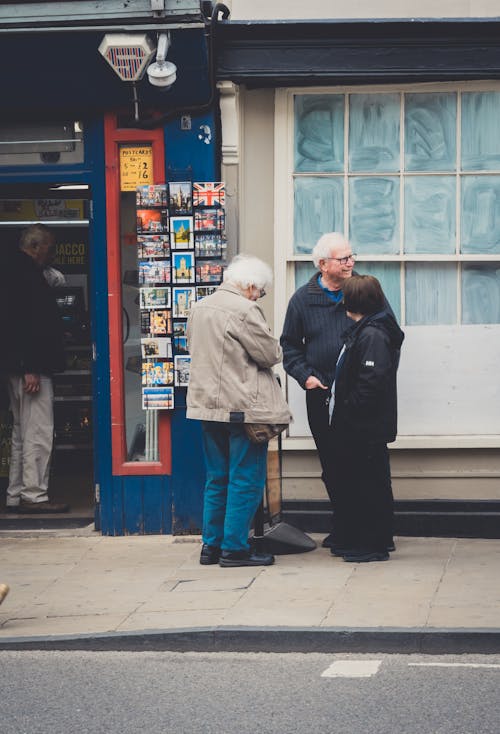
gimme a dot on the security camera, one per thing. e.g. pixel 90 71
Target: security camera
pixel 162 73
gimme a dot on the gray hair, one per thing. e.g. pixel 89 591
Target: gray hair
pixel 247 270
pixel 326 244
pixel 35 234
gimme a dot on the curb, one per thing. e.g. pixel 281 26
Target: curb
pixel 435 641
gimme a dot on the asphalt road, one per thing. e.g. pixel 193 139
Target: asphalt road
pixel 240 693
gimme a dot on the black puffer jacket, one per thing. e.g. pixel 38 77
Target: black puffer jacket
pixel 30 324
pixel 365 384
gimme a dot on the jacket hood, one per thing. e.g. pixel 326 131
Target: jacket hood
pixel 382 320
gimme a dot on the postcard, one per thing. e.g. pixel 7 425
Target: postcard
pixel 154 271
pixel 182 368
pixel 183 267
pixel 152 221
pixel 181 233
pixel 154 298
pixel 156 323
pixel 208 219
pixel 208 272
pixel 156 372
pixel 156 347
pixel 154 195
pixel 181 345
pixel 179 328
pixel 204 290
pixel 182 300
pixel 209 193
pixel 208 245
pixel 153 245
pixel 157 398
pixel 181 197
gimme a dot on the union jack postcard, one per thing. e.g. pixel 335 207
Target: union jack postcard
pixel 209 193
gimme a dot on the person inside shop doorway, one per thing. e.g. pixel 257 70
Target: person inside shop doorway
pixel 32 352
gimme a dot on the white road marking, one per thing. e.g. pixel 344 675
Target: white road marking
pixel 454 665
pixel 352 669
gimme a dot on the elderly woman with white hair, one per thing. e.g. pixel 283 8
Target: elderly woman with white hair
pixel 231 384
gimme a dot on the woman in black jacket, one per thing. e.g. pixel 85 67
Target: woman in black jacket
pixel 363 409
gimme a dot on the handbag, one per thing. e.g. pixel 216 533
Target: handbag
pixel 263 432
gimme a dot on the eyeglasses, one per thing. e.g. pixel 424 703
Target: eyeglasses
pixel 343 260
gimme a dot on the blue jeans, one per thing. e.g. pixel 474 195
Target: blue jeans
pixel 236 477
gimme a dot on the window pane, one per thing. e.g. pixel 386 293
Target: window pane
pixel 319 132
pixel 389 276
pixel 480 139
pixel 303 273
pixel 319 208
pixel 431 293
pixel 481 294
pixel 480 214
pixel 430 137
pixel 374 132
pixel 430 206
pixel 374 215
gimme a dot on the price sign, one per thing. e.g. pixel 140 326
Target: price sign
pixel 136 166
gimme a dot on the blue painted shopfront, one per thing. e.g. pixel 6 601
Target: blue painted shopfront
pixel 139 503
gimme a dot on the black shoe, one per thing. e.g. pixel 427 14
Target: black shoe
pixel 328 542
pixel 337 551
pixel 209 555
pixel 230 559
pixel 366 556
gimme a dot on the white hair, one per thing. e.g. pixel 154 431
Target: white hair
pixel 326 244
pixel 247 270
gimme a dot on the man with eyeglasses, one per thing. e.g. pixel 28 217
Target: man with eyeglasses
pixel 312 339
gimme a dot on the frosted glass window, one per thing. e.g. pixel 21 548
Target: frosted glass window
pixel 303 273
pixel 431 294
pixel 430 132
pixel 480 214
pixel 374 132
pixel 389 276
pixel 430 206
pixel 319 208
pixel 481 293
pixel 374 215
pixel 480 138
pixel 319 133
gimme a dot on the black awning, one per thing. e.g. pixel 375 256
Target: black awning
pixel 332 52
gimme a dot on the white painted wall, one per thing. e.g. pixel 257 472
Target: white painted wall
pixel 356 9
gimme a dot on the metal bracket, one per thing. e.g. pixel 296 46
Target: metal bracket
pixel 158 6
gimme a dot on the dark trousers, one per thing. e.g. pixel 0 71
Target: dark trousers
pixel 317 415
pixel 364 505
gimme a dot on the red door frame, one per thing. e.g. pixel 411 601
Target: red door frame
pixel 113 138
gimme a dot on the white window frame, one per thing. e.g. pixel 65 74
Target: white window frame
pixel 285 259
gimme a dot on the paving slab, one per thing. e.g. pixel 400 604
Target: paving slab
pixel 131 590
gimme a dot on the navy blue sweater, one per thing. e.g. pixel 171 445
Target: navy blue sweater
pixel 312 334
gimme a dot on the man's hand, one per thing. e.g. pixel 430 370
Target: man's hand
pixel 312 383
pixel 31 383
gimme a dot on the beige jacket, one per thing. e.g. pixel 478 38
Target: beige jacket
pixel 232 352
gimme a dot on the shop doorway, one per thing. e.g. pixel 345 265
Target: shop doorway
pixel 65 209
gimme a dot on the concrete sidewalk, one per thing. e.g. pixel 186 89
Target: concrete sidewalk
pixel 91 590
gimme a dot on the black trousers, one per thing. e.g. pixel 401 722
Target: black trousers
pixel 317 415
pixel 364 505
